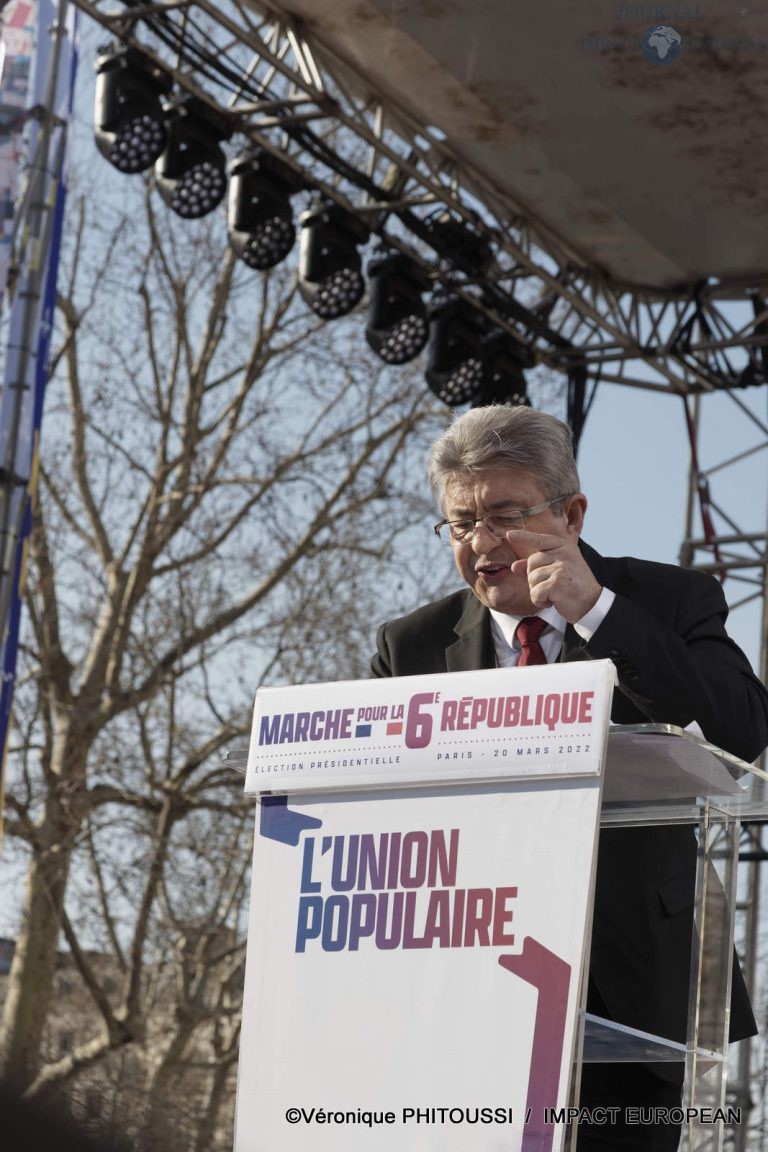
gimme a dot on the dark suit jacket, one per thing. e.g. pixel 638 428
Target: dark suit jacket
pixel 666 635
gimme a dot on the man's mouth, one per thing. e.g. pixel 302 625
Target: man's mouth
pixel 492 572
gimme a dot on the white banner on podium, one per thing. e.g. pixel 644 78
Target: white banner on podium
pixel 415 955
pixel 504 722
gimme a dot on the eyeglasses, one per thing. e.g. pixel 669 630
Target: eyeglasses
pixel 497 523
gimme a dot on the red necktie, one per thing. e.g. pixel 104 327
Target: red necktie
pixel 528 632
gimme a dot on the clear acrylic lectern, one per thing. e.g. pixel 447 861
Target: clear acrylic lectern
pixel 658 774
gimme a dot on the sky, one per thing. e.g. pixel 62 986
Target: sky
pixel 634 464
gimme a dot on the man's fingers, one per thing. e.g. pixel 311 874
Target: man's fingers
pixel 536 568
pixel 533 564
pixel 526 543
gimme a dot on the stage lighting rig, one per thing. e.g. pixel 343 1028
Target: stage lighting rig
pixel 471 361
pixel 455 366
pixel 260 217
pixel 398 327
pixel 504 361
pixel 191 173
pixel 129 120
pixel 458 242
pixel 330 269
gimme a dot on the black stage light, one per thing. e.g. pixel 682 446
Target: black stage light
pixel 330 269
pixel 398 327
pixel 458 242
pixel 260 217
pixel 129 118
pixel 470 360
pixel 503 362
pixel 191 173
pixel 455 365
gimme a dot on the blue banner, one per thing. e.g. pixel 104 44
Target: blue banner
pixel 29 340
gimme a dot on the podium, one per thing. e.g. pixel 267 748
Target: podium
pixel 424 868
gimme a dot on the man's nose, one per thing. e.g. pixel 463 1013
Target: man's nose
pixel 484 539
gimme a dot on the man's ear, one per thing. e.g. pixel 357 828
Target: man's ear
pixel 575 510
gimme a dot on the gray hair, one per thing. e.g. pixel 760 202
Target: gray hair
pixel 500 436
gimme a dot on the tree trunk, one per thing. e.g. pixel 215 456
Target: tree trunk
pixel 30 982
pixel 165 1086
pixel 205 1137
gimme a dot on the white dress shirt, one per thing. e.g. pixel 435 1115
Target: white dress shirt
pixel 508 648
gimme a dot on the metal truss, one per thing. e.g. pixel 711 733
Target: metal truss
pixel 270 85
pixel 723 545
pixel 718 539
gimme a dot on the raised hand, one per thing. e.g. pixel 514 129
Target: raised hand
pixel 557 572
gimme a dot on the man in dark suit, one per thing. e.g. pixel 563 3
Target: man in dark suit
pixel 507 483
